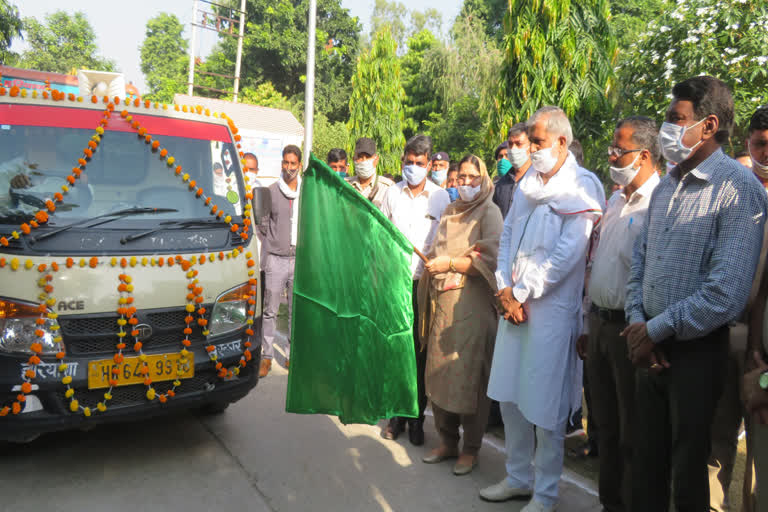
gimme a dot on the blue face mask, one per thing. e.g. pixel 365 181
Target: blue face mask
pixel 414 174
pixel 453 192
pixel 439 177
pixel 342 174
pixel 503 166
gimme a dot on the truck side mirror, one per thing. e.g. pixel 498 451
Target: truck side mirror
pixel 262 203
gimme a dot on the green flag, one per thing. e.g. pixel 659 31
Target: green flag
pixel 352 337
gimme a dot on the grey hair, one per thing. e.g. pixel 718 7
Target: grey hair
pixel 557 122
pixel 518 129
pixel 645 134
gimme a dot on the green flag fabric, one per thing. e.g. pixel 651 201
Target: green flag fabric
pixel 352 337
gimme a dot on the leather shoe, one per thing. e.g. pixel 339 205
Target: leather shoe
pixel 502 491
pixel 462 468
pixel 438 455
pixel 264 367
pixel 416 432
pixel 393 430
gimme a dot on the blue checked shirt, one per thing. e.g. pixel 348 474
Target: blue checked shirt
pixel 693 264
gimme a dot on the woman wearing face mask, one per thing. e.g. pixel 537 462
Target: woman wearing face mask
pixel 458 319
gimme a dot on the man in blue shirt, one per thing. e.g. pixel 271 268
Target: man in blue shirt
pixel 691 274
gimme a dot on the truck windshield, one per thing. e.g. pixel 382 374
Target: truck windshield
pixel 39 146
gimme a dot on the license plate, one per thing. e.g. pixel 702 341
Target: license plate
pixel 161 367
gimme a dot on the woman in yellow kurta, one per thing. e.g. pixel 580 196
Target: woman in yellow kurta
pixel 458 317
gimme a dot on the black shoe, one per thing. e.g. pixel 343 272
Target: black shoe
pixel 416 432
pixel 587 449
pixel 393 430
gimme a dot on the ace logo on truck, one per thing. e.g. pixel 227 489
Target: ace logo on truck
pixel 71 305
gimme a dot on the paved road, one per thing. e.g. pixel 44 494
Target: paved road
pixel 254 457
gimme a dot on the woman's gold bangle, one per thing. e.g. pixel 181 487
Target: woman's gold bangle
pixel 450 265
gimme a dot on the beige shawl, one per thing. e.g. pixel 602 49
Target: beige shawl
pixel 455 238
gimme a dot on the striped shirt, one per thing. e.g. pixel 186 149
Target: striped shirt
pixel 693 264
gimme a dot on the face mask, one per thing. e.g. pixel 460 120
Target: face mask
pixel 624 175
pixel 439 177
pixel 760 170
pixel 453 193
pixel 342 174
pixel 365 168
pixel 503 166
pixel 670 166
pixel 290 175
pixel 671 142
pixel 518 156
pixel 468 193
pixel 544 161
pixel 414 174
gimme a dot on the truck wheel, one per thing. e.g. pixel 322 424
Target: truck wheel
pixel 213 409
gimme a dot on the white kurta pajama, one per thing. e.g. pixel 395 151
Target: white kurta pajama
pixel 536 374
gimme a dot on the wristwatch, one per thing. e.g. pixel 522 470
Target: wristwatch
pixel 763 381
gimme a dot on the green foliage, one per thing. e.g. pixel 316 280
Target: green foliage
pixel 164 58
pixel 489 12
pixel 402 22
pixel 558 53
pixel 275 50
pixel 726 39
pixel 629 18
pixel 422 98
pixel 376 104
pixel 265 95
pixel 464 77
pixel 62 44
pixel 10 27
pixel 328 135
pixel 460 130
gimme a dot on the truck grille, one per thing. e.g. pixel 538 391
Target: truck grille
pixel 96 334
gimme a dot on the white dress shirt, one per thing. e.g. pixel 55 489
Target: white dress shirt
pixel 623 222
pixel 416 217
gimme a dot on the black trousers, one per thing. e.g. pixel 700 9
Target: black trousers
pixel 421 359
pixel 674 414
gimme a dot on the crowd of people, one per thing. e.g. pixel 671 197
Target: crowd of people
pixel 533 287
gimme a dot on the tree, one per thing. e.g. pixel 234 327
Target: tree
pixel 422 97
pixel 376 105
pixel 558 53
pixel 402 22
pixel 62 44
pixel 10 27
pixel 464 77
pixel 164 57
pixel 725 39
pixel 275 50
pixel 264 95
pixel 328 135
pixel 489 12
pixel 629 18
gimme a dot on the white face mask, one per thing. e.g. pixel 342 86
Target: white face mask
pixel 624 175
pixel 671 141
pixel 518 156
pixel 468 193
pixel 414 174
pixel 759 169
pixel 544 160
pixel 365 168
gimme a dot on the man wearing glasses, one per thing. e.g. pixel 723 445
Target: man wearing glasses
pixel 632 156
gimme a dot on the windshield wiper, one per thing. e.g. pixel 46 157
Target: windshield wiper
pixel 117 215
pixel 172 225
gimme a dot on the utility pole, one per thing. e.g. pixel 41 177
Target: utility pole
pixel 309 95
pixel 219 18
pixel 239 50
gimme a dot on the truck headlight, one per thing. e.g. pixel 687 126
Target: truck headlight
pixel 230 312
pixel 18 328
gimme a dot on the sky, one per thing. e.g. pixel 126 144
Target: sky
pixel 120 26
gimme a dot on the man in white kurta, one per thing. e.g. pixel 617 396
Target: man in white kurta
pixel 535 373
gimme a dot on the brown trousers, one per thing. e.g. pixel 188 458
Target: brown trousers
pixel 447 424
pixel 612 388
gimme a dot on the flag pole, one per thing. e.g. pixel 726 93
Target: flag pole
pixel 420 255
pixel 309 95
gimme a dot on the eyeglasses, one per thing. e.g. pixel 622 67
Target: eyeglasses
pixel 619 152
pixel 467 177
